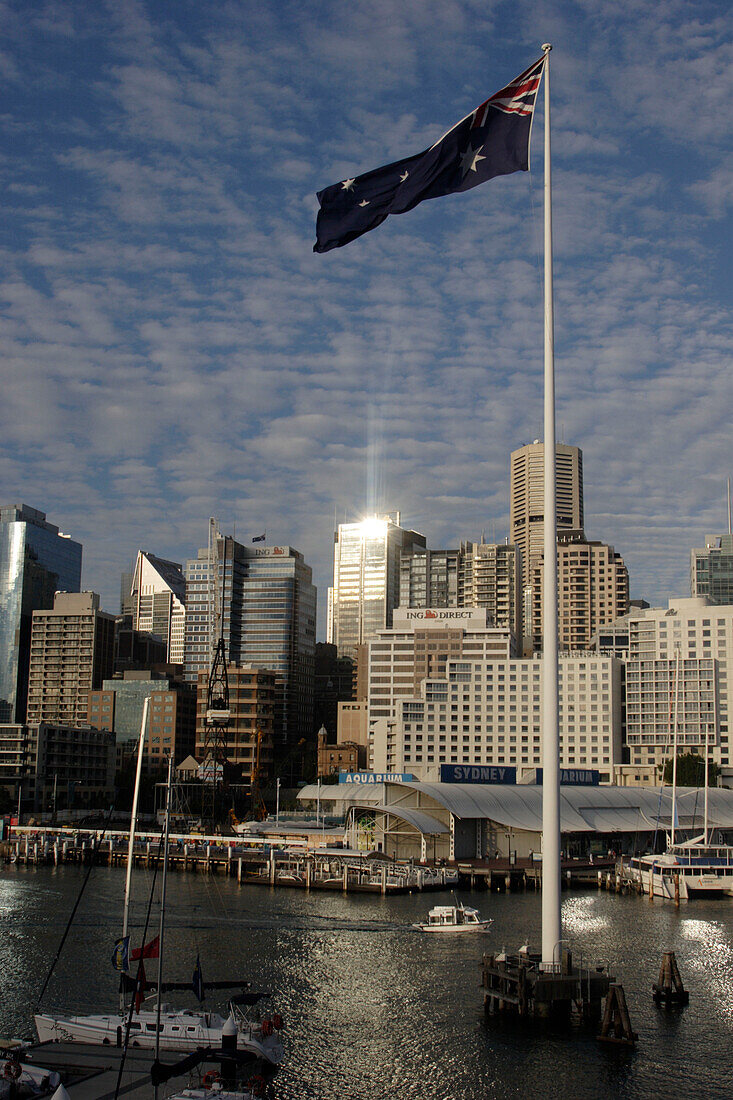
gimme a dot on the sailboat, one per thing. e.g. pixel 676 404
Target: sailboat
pixel 688 869
pixel 164 1026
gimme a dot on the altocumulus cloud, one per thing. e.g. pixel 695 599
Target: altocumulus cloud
pixel 172 349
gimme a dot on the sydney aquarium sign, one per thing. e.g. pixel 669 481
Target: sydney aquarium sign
pixel 476 773
pixel 574 777
pixel 369 778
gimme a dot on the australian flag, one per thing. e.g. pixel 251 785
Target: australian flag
pixel 259 538
pixel 492 141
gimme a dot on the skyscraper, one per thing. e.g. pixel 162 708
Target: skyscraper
pixel 72 651
pixel 490 576
pixel 36 560
pixel 429 578
pixel 366 579
pixel 527 515
pixel 711 569
pixel 527 496
pixel 479 574
pixel 268 612
pixel 158 592
pixel 593 591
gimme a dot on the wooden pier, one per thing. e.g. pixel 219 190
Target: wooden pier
pixel 347 873
pixel 515 985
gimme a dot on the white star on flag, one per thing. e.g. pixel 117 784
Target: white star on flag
pixel 470 159
pixel 348 185
pixel 404 176
pixel 364 202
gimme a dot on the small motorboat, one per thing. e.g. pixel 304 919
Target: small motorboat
pixel 453 918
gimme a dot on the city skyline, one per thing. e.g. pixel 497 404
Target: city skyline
pixel 173 350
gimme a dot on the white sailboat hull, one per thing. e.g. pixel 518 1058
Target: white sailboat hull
pixel 181 1031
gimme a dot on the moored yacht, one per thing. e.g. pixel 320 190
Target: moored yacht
pixel 693 869
pixel 180 1029
pixel 163 1027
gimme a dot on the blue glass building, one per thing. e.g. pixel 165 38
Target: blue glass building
pixel 269 622
pixel 36 561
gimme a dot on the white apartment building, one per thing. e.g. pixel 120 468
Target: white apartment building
pixel 679 673
pixel 419 645
pixel 488 711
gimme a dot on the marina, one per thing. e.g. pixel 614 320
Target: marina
pixel 372 1008
pixel 320 870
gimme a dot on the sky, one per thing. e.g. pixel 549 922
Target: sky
pixel 172 349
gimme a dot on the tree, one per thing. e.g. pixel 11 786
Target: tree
pixel 691 771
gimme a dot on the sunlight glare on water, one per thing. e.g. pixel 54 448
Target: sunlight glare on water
pixel 376 1010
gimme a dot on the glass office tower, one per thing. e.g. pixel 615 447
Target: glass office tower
pixel 36 560
pixel 711 569
pixel 366 579
pixel 269 617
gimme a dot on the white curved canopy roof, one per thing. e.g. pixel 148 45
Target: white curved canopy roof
pixel 600 809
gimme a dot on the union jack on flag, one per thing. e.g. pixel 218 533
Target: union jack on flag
pixel 493 140
pixel 517 98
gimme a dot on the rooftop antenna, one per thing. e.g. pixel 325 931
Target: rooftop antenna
pixel 730 529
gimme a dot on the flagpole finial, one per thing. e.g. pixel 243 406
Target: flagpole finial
pixel 546 47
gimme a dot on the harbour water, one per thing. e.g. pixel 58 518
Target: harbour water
pixel 375 1010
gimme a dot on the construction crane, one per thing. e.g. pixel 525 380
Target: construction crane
pixel 257 802
pixel 217 714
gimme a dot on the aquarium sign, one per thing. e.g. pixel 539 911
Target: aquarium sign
pixel 369 778
pixel 574 777
pixel 477 773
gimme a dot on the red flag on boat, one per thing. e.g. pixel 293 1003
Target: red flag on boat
pixel 149 951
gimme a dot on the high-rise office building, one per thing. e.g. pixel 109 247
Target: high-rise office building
pixel 158 591
pixel 711 569
pixel 592 587
pixel 366 579
pixel 478 574
pixel 268 616
pixel 527 496
pixel 490 576
pixel 72 651
pixel 429 578
pixel 419 645
pixel 36 560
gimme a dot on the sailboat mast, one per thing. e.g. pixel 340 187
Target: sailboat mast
pixel 551 871
pixel 674 739
pixel 707 784
pixel 166 832
pixel 133 818
pixel 133 822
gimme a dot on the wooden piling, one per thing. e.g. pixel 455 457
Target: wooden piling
pixel 669 989
pixel 616 1024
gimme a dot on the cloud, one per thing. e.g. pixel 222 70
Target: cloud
pixel 172 349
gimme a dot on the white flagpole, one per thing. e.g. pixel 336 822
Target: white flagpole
pixel 551 870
